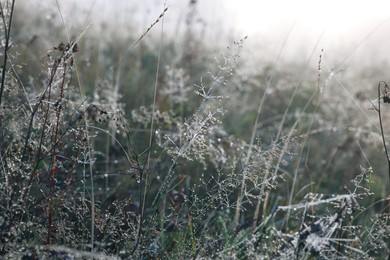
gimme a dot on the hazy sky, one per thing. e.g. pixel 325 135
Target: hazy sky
pixel 331 24
pixel 337 17
pixel 349 24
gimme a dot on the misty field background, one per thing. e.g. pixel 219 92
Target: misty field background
pixel 165 136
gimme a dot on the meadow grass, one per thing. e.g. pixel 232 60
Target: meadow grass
pixel 159 151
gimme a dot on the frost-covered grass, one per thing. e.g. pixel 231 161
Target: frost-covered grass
pixel 158 151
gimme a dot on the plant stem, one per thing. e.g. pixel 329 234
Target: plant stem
pixel 381 125
pixel 7 38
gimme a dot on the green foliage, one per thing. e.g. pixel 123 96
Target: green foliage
pixel 219 163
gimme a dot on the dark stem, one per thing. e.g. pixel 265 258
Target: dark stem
pixel 380 123
pixel 7 38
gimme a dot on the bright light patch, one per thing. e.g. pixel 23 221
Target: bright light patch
pixel 334 16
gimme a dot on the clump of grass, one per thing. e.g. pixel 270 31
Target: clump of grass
pixel 95 177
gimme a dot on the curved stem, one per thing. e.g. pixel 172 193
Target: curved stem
pixel 381 125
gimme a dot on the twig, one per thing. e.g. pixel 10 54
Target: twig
pixel 380 122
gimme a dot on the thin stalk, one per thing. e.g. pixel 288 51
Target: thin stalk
pixel 7 39
pixel 381 125
pixel 144 184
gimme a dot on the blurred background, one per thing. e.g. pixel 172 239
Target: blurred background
pixel 359 26
pixel 288 41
